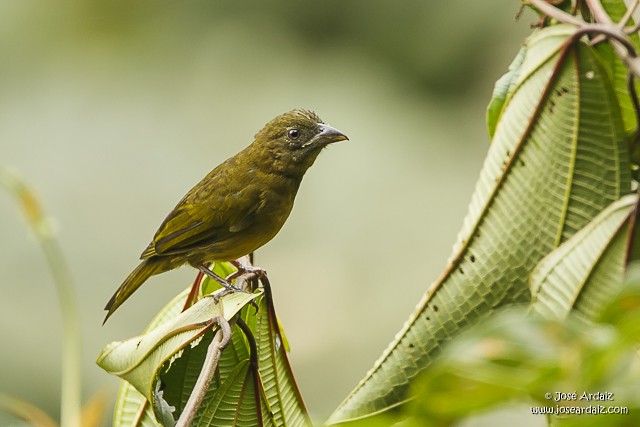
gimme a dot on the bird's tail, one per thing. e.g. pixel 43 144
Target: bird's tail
pixel 143 271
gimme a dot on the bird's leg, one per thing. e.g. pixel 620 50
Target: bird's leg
pixel 218 279
pixel 242 269
pixel 222 293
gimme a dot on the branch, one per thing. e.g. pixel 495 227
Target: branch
pixel 632 7
pixel 603 26
pixel 555 13
pixel 219 342
pixel 616 34
pixel 598 12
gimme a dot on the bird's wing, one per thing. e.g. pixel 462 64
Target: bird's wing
pixel 206 214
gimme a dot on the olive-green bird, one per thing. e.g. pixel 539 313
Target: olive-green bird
pixel 239 206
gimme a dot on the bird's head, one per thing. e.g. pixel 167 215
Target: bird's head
pixel 293 140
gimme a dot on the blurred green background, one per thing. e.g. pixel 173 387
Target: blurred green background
pixel 113 110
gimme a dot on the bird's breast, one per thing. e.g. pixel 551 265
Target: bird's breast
pixel 268 217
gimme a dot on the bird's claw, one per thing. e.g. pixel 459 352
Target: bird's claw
pixel 222 282
pixel 222 293
pixel 246 269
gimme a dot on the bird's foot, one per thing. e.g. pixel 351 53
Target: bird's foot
pixel 220 294
pixel 245 269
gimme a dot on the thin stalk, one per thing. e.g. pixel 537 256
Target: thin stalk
pixel 555 13
pixel 26 411
pixel 219 342
pixel 629 13
pixel 70 404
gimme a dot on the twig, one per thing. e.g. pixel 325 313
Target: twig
pixel 219 342
pixel 555 13
pixel 632 7
pixel 619 41
pixel 634 29
pixel 610 31
pixel 621 24
pixel 604 26
pixel 598 12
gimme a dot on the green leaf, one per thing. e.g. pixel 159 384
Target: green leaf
pixel 507 357
pixel 527 62
pixel 624 311
pixel 139 360
pixel 557 159
pixel 515 357
pixel 132 409
pixel 616 68
pixel 278 385
pixel 503 88
pixel 547 43
pixel 587 270
pixel 520 356
pixel 252 386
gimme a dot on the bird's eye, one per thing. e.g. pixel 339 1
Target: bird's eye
pixel 294 133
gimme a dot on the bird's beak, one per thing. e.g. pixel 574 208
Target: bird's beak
pixel 326 135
